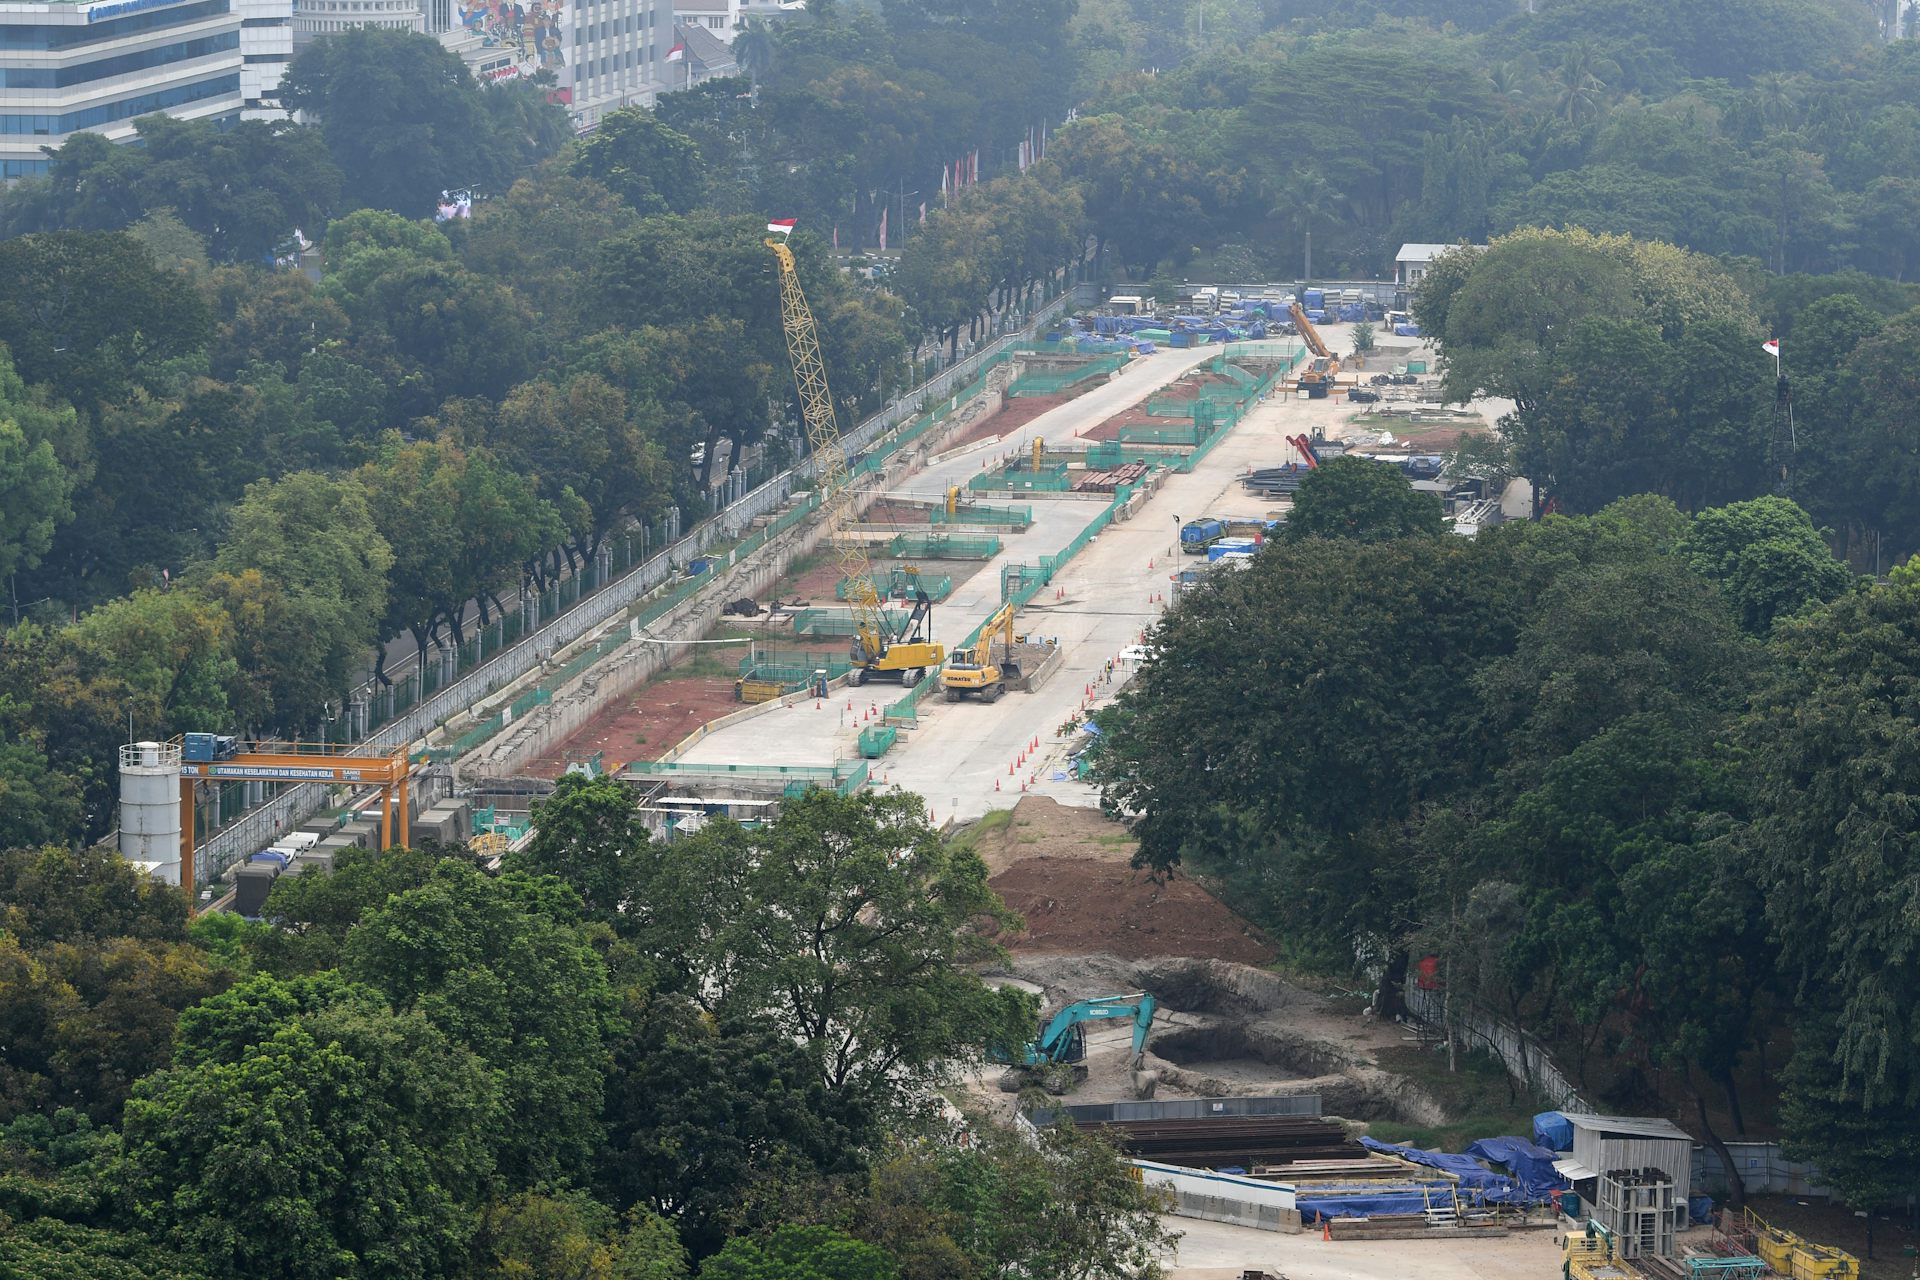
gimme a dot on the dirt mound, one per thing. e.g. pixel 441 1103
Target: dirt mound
pixel 1068 872
pixel 1075 905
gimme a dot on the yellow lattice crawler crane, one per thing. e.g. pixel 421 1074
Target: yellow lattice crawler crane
pixel 875 651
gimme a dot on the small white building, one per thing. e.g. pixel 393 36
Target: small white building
pixel 1413 261
pixel 1604 1144
pixel 718 17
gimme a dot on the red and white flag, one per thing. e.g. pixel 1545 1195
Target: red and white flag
pixel 1772 347
pixel 677 54
pixel 781 226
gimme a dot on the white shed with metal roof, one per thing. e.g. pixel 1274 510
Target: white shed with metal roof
pixel 1602 1144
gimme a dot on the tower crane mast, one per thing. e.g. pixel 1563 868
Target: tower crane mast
pixel 874 651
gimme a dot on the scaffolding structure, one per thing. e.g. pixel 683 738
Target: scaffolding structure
pixel 1637 1206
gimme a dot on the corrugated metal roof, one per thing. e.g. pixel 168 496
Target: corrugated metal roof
pixel 1638 1126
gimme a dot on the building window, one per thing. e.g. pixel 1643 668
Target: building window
pixel 94 117
pixel 104 68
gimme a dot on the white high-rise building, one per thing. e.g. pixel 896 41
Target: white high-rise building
pixel 266 46
pixel 618 52
pixel 315 18
pixel 73 68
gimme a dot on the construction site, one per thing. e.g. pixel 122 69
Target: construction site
pixel 942 614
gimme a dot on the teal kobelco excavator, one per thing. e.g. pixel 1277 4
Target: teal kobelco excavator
pixel 1056 1060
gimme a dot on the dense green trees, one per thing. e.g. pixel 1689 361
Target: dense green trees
pixel 399 115
pixel 1361 501
pixel 1634 367
pixel 415 1068
pixel 1633 777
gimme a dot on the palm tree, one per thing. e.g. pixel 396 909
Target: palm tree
pixel 1777 99
pixel 753 48
pixel 1308 200
pixel 1506 79
pixel 1582 79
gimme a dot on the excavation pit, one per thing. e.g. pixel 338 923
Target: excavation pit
pixel 1233 1053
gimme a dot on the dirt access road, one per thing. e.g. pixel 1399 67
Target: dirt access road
pixel 1216 1251
pixel 959 754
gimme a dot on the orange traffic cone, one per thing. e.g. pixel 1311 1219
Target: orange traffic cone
pixel 996 784
pixel 1326 1228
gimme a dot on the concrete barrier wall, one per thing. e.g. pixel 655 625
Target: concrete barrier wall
pixel 1223 1197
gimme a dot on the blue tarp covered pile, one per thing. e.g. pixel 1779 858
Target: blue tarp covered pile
pixel 1553 1131
pixel 1531 1166
pixel 1374 1203
pixel 1478 1184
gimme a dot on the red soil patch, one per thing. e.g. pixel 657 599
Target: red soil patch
pixel 817 584
pixel 1191 387
pixel 1015 414
pixel 1078 906
pixel 1437 439
pixel 662 713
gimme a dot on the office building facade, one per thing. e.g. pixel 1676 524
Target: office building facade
pixel 315 18
pixel 98 67
pixel 266 47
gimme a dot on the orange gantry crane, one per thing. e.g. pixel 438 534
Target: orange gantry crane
pixel 206 758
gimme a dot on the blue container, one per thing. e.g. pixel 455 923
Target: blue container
pixel 1313 298
pixel 197 748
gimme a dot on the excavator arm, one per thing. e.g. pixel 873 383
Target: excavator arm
pixel 1058 1037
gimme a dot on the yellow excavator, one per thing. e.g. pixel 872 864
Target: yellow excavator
pixel 877 652
pixel 1318 377
pixel 974 671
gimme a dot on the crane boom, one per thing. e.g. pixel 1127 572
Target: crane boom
pixel 1309 334
pixel 873 647
pixel 1318 377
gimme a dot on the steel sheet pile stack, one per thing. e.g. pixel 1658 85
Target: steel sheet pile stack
pixel 1243 1141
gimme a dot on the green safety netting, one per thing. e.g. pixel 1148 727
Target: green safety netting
pixel 1051 478
pixel 944 546
pixel 1054 381
pixel 898 584
pixel 835 622
pixel 981 514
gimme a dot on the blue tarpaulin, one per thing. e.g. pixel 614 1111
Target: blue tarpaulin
pixel 1553 1131
pixel 1531 1166
pixel 1478 1184
pixel 1366 1204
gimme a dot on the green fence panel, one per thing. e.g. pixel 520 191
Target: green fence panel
pixel 877 740
pixel 944 546
pixel 981 514
pixel 1054 381
pixel 832 622
pixel 900 585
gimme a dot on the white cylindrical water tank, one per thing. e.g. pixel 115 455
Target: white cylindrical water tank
pixel 150 807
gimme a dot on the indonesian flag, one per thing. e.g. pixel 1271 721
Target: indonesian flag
pixel 1772 347
pixel 781 226
pixel 677 54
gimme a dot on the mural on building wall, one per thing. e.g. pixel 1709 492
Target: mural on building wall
pixel 535 36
